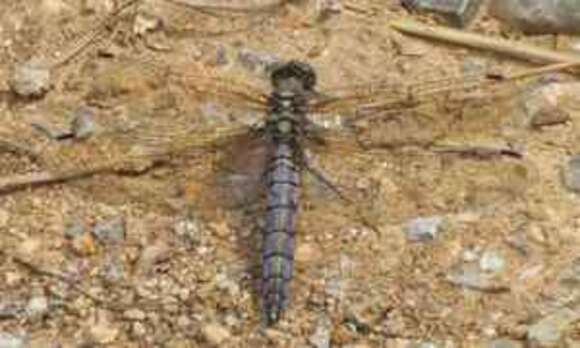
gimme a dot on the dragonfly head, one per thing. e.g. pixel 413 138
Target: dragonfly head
pixel 293 76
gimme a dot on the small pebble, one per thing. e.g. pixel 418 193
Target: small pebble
pixel 548 103
pixel 138 329
pixel 145 23
pixel 423 229
pixel 491 262
pixel 4 217
pixel 10 341
pixel 189 231
pixel 11 308
pixel 352 321
pixel 458 13
pixel 472 278
pixel 97 6
pixel 151 255
pixel 37 307
pixel 257 62
pixel 113 269
pixel 134 314
pixel 321 336
pixel 83 124
pixel 110 231
pixel 470 255
pixel 215 334
pixel 30 79
pixel 504 343
pixel 225 283
pixel 74 230
pixel 102 330
pixel 571 174
pixel 222 56
pixel 183 321
pixel 549 331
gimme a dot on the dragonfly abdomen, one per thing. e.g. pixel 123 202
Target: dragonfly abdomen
pixel 279 233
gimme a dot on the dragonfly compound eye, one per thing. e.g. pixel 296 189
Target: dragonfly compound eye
pixel 294 70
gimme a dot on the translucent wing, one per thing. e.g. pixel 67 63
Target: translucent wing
pixel 395 184
pixel 123 150
pixel 396 95
pixel 440 146
pixel 436 109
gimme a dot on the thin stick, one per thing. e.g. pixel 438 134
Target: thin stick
pixel 16 182
pixel 543 70
pixel 514 49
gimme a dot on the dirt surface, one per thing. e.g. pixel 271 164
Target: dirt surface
pixel 168 256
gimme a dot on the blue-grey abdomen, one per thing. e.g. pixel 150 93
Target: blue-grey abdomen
pixel 279 234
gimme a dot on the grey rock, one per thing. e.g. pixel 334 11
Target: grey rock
pixel 257 62
pixel 190 231
pixel 491 262
pixel 74 229
pixel 423 229
pixel 225 283
pixel 504 343
pixel 547 103
pixel 222 56
pixel 321 336
pixel 83 124
pixel 11 308
pixel 549 331
pixel 134 314
pixel 10 341
pixel 471 255
pixel 474 279
pixel 110 231
pixel 138 329
pixel 37 307
pixel 458 13
pixel 113 268
pixel 425 344
pixel 215 334
pixel 570 275
pixel 353 321
pixel 571 174
pixel 30 79
pixel 539 16
pixel 328 8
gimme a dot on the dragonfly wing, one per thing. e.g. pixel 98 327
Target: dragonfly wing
pixel 393 185
pixel 388 114
pixel 439 147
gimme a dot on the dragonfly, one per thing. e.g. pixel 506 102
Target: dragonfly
pixel 405 126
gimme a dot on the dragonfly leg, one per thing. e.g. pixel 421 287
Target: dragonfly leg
pixel 320 176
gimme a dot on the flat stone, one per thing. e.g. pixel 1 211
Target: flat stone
pixel 458 13
pixel 215 334
pixel 549 331
pixel 571 174
pixel 30 79
pixel 423 229
pixel 10 341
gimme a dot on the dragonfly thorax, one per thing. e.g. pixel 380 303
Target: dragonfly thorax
pixel 294 76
